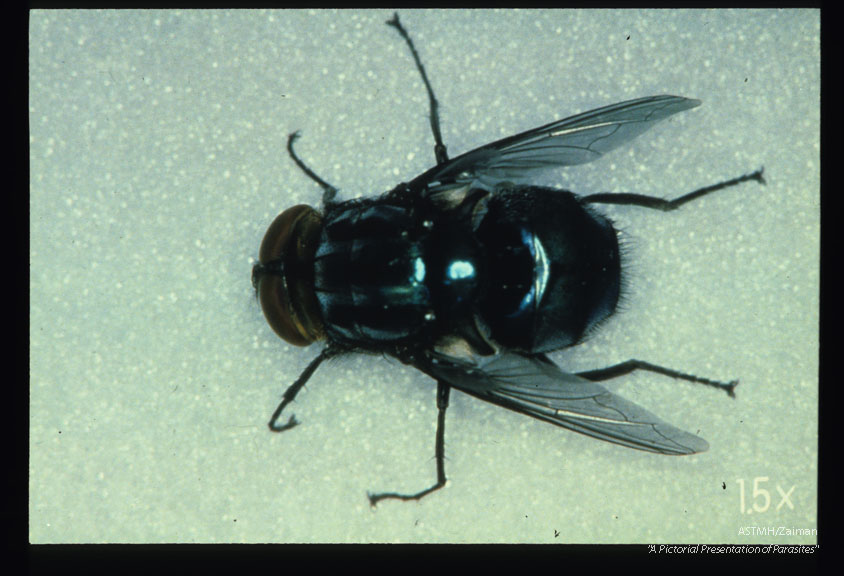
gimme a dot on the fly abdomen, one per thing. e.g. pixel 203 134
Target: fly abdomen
pixel 554 269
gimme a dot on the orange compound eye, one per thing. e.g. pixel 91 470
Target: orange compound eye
pixel 277 238
pixel 280 313
pixel 284 276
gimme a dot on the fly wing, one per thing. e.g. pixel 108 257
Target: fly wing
pixel 576 140
pixel 537 387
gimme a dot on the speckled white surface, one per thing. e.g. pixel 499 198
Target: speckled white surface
pixel 157 162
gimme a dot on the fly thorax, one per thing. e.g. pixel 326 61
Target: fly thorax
pixel 371 275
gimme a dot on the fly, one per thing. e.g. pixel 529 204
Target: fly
pixel 472 275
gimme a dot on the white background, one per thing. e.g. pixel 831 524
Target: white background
pixel 157 162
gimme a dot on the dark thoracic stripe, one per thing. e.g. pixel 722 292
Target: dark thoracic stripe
pixel 369 275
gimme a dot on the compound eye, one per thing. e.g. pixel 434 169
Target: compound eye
pixel 279 311
pixel 274 245
pixel 285 293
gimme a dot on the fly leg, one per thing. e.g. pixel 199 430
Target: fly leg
pixel 668 205
pixel 629 366
pixel 329 192
pixel 439 147
pixel 293 389
pixel 443 390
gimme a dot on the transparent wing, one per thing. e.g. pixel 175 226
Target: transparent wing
pixel 537 387
pixel 575 140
